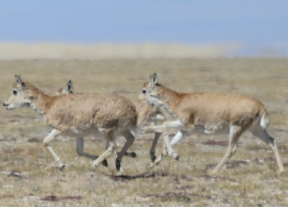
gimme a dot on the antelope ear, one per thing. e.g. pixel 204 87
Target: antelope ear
pixel 153 80
pixel 19 82
pixel 69 87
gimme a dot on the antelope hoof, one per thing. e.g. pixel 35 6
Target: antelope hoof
pixel 120 172
pixel 95 164
pixel 155 162
pixel 133 154
pixel 62 168
pixel 130 154
pixel 152 157
pixel 118 164
pixel 175 156
pixel 105 163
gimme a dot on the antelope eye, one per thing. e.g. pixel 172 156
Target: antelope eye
pixel 15 92
pixel 144 91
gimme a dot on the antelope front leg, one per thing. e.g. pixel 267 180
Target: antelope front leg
pixel 177 138
pixel 166 145
pixel 46 142
pixel 80 151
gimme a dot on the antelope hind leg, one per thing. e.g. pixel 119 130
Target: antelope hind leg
pixel 80 151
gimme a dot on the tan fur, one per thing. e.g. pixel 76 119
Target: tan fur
pixel 80 140
pixel 146 115
pixel 83 111
pixel 211 113
pixel 78 114
pixel 212 109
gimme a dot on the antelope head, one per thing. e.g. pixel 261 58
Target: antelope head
pixel 151 92
pixel 66 89
pixel 20 95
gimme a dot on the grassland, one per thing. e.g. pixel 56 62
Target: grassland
pixel 249 179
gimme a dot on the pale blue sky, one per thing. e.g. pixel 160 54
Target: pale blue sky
pixel 260 25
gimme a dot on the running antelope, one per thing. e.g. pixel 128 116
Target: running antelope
pixel 146 115
pixel 210 113
pixel 80 140
pixel 79 115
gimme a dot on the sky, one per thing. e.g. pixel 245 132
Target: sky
pixel 260 26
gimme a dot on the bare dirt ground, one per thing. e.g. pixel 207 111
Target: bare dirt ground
pixel 249 179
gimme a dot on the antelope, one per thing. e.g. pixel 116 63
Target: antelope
pixel 78 115
pixel 211 113
pixel 146 115
pixel 68 88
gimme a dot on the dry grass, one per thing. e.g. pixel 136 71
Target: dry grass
pixel 249 179
pixel 16 51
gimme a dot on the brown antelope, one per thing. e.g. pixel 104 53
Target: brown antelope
pixel 79 115
pixel 146 115
pixel 80 140
pixel 210 113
